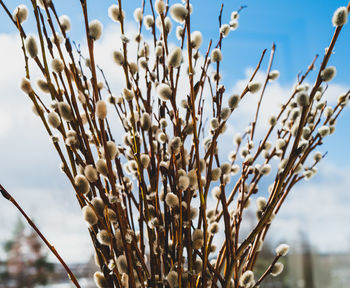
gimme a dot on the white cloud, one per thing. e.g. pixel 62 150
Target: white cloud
pixel 320 209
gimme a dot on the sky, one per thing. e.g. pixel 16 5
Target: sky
pixel 29 166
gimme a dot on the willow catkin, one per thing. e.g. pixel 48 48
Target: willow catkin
pixel 328 73
pixel 122 264
pixel 65 111
pixel 164 91
pixel 114 13
pixel 43 86
pixel 148 21
pixel 196 39
pixel 95 29
pixel 65 23
pixel 282 250
pixel 159 6
pixel 175 58
pixel 216 55
pixel 225 30
pixel 138 15
pixel 246 279
pixel 53 119
pixel 101 167
pixel 98 204
pixel 254 87
pixel 178 12
pixel 26 86
pixel 57 65
pixel 277 269
pixel 340 17
pixel 101 109
pixel 20 13
pixel 31 46
pixel 118 58
pixel 197 239
pixel 89 215
pixel 103 237
pixel 90 173
pixel 100 280
pixel 171 200
pixel 82 184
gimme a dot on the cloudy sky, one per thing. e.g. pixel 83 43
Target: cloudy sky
pixel 29 166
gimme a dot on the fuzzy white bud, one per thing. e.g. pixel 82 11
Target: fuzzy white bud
pixel 274 75
pixel 31 47
pixel 65 23
pixel 20 12
pixel 114 13
pixel 328 73
pixel 303 99
pixel 26 86
pixel 148 21
pixel 138 14
pixel 246 279
pixel 282 250
pixel 118 58
pixel 196 39
pixel 128 94
pixel 53 119
pixel 91 173
pixel 95 29
pixel 65 111
pixel 197 239
pixel 225 30
pixel 82 184
pixel 89 215
pixel 100 280
pixel 101 109
pixel 164 91
pixel 159 6
pixel 171 200
pixel 254 87
pixel 340 16
pixel 103 237
pixel 175 58
pixel 216 55
pixel 178 12
pixel 233 101
pixel 277 269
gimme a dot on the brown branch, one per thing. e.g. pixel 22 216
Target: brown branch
pixel 8 197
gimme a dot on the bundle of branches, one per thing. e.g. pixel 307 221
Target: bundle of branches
pixel 145 195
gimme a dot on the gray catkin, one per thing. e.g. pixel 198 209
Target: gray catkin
pixel 20 12
pixel 53 119
pixel 91 173
pixel 101 109
pixel 175 57
pixel 340 16
pixel 82 184
pixel 57 65
pixel 65 111
pixel 65 23
pixel 89 215
pixel 100 280
pixel 95 29
pixel 101 167
pixel 99 205
pixel 31 46
pixel 118 58
pixel 122 264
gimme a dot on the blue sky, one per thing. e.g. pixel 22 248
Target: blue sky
pixel 300 30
